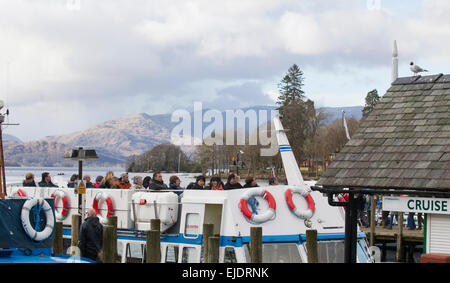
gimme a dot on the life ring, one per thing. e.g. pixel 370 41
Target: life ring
pixel 269 214
pixel 343 197
pixel 303 214
pixel 19 193
pixel 26 223
pixel 65 200
pixel 99 197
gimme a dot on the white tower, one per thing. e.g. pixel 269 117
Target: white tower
pixel 394 62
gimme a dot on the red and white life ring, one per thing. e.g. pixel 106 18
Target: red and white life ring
pixel 343 197
pixel 269 214
pixel 100 197
pixel 303 214
pixel 61 215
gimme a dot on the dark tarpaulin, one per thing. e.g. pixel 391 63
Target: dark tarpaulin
pixel 12 234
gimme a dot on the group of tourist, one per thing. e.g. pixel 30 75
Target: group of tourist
pixel 156 183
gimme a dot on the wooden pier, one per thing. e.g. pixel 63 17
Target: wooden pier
pixel 399 234
pixel 386 235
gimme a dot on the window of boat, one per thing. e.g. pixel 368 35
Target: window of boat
pixel 278 253
pixel 134 252
pixel 189 254
pixel 172 253
pixel 362 251
pixel 229 255
pixel 192 225
pixel 330 251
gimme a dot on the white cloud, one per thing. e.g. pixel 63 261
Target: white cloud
pixel 121 57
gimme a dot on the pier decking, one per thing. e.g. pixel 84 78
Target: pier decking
pixel 386 235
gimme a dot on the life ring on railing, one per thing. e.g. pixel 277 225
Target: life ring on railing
pixel 37 236
pixel 65 201
pixel 343 197
pixel 19 193
pixel 303 214
pixel 269 214
pixel 99 197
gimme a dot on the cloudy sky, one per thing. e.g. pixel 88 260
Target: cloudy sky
pixel 66 65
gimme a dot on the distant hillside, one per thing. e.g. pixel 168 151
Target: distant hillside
pixel 7 137
pixel 116 140
pixel 48 154
pixel 132 134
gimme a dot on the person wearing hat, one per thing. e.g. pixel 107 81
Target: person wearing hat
pixel 124 182
pixel 29 180
pixel 198 185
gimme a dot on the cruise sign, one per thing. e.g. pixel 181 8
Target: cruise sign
pixel 421 205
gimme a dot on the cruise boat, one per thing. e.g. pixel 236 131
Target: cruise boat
pixel 285 213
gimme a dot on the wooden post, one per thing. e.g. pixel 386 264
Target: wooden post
pixel 108 250
pixel 155 224
pixel 112 221
pixel 373 205
pixel 58 239
pixel 256 244
pixel 153 248
pixel 75 229
pixel 213 250
pixel 400 244
pixel 208 230
pixel 311 246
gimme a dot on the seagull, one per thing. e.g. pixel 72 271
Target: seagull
pixel 416 69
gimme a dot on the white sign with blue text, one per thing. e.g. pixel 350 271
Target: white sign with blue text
pixel 414 204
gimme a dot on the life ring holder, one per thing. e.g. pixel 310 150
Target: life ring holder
pixel 305 193
pixel 37 236
pixel 269 214
pixel 103 197
pixel 65 200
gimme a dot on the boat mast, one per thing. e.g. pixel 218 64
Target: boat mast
pixel 2 162
pixel 2 158
pixel 394 62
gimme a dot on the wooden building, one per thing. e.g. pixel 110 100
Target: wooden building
pixel 401 147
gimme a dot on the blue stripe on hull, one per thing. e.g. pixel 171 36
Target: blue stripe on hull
pixel 226 240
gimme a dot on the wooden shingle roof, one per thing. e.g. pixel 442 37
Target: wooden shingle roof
pixel 403 143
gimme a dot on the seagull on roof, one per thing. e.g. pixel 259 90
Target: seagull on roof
pixel 416 69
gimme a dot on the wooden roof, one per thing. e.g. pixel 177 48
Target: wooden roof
pixel 403 143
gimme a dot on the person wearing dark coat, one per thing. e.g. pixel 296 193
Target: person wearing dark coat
pixel 91 236
pixel 157 182
pixel 198 185
pixel 29 180
pixel 73 181
pixel 232 183
pixel 87 181
pixel 174 184
pixel 46 181
pixel 250 182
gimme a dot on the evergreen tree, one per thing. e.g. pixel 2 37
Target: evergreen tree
pixel 290 87
pixel 372 99
pixel 298 113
